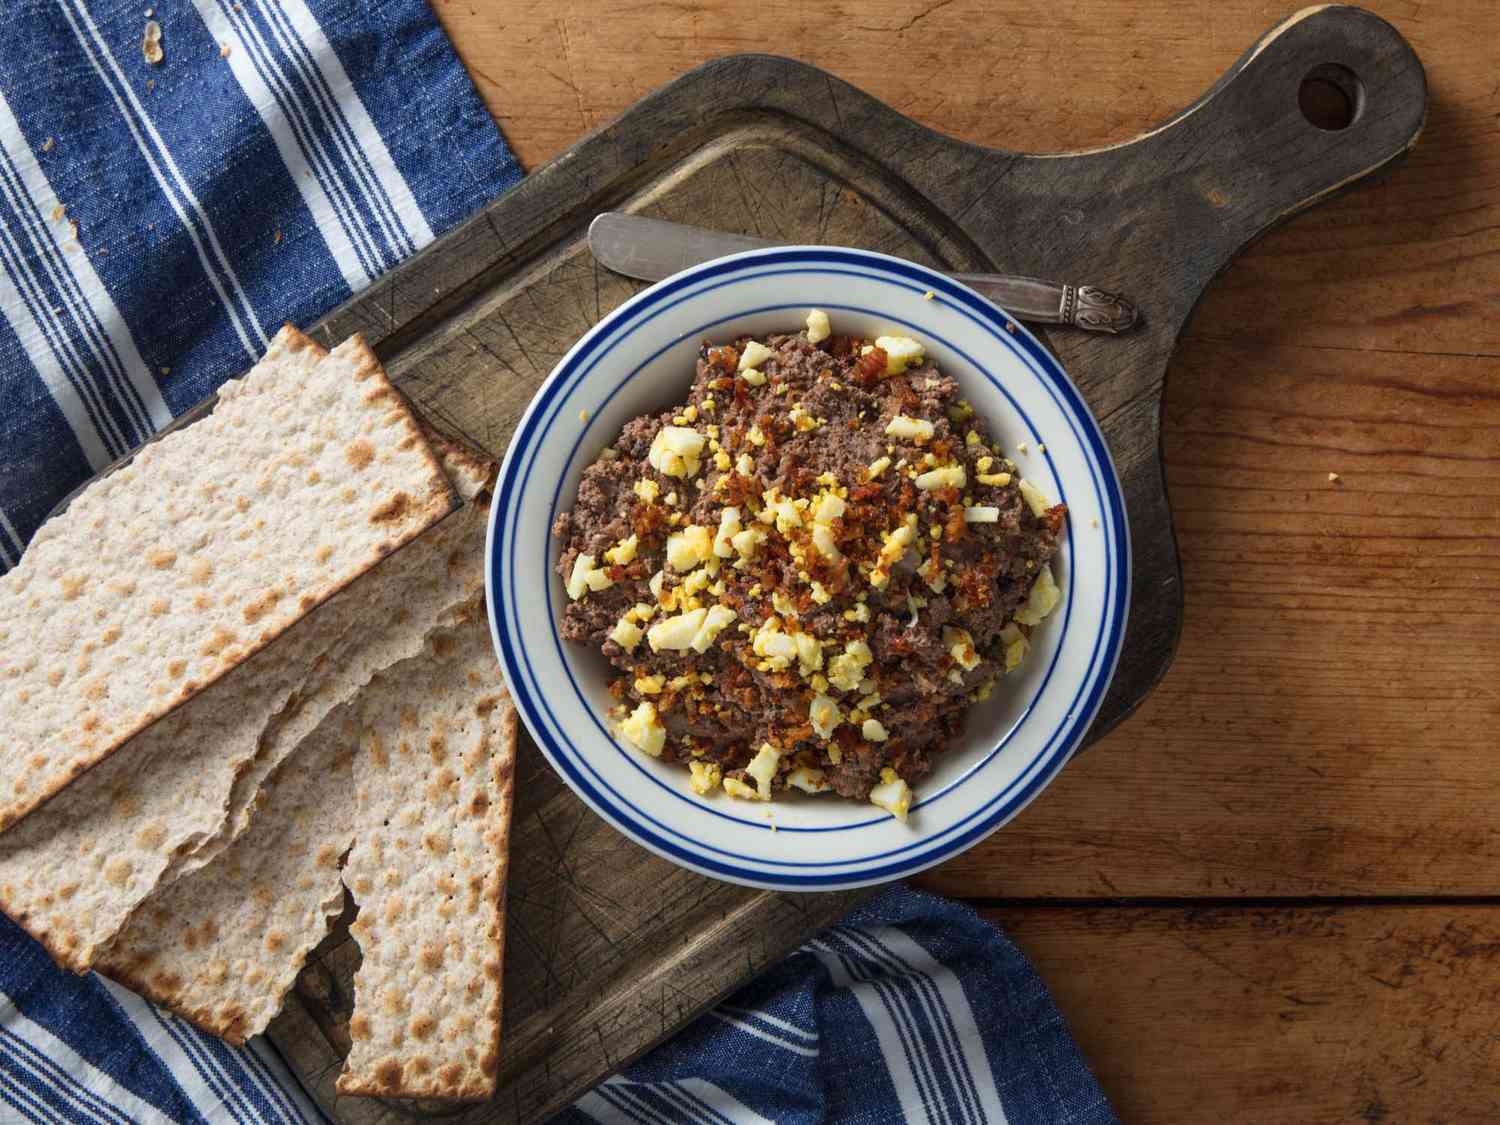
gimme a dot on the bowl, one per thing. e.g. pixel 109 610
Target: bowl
pixel 640 358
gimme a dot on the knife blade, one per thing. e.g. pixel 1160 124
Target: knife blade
pixel 651 249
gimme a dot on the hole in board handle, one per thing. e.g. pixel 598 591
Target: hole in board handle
pixel 1331 97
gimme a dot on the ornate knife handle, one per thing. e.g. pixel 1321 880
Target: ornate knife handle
pixel 1098 310
pixel 1050 302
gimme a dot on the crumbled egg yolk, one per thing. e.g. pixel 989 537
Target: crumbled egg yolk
pixel 643 731
pixel 737 788
pixel 896 544
pixel 801 420
pixel 675 451
pixel 892 794
pixel 650 685
pixel 647 490
pixel 818 327
pixel 705 778
pixel 907 428
pixel 873 730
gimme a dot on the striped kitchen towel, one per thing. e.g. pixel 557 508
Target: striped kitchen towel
pixel 160 220
pixel 913 1010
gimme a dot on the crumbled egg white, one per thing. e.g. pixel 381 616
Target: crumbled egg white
pixel 878 466
pixel 729 527
pixel 907 428
pixel 624 551
pixel 1043 600
pixel 689 547
pixel 981 513
pixel 647 490
pixel 1034 497
pixel 808 779
pixel 822 537
pixel 762 768
pixel 933 575
pixel 892 794
pixel 737 788
pixel 824 715
pixel 945 476
pixel 587 576
pixel 780 510
pixel 626 634
pixel 717 619
pixel 846 670
pixel 1016 646
pixel 873 730
pixel 675 451
pixel 754 355
pixel 745 542
pixel 754 377
pixel 643 731
pixel 901 352
pixel 744 465
pixel 676 633
pixel 960 645
pixel 818 327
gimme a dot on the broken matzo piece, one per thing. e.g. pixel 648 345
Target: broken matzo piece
pixel 383 620
pixel 172 571
pixel 222 946
pixel 432 779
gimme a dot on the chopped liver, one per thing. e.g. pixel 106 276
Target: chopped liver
pixel 807 572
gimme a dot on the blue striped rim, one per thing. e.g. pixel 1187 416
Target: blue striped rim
pixel 545 407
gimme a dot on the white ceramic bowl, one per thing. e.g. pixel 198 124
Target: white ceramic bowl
pixel 640 358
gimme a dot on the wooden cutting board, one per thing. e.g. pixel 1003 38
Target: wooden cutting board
pixel 609 948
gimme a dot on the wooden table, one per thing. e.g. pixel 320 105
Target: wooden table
pixel 1272 893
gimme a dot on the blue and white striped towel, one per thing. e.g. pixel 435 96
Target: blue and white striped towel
pixel 284 154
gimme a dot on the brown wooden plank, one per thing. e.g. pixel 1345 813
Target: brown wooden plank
pixel 1353 1013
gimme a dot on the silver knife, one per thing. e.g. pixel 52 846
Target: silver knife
pixel 651 249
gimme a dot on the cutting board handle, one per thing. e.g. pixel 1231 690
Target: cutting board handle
pixel 1255 149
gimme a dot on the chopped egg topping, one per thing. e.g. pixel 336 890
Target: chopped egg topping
pixel 790 577
pixel 675 451
pixel 892 794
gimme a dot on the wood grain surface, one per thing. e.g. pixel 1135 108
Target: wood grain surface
pixel 1328 730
